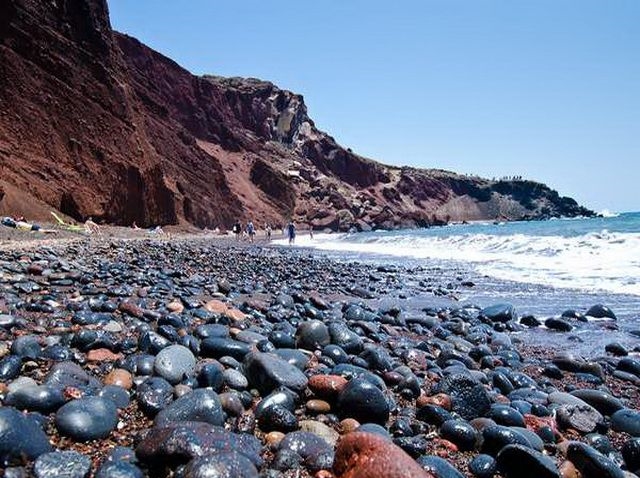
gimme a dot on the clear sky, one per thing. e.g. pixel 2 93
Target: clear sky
pixel 545 89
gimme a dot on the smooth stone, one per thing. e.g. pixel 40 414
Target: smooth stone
pixel 365 455
pixel 315 452
pixel 496 437
pixel 280 397
pixel 211 374
pixel 231 403
pixel 469 398
pixel 601 401
pixel 320 429
pixel 631 454
pixel 87 418
pixel 560 325
pixel 438 467
pixel 230 464
pixel 179 442
pixel 345 338
pixel 317 406
pixel 517 461
pixel 600 443
pixel 591 463
pixel 327 386
pixel 505 415
pixel 626 420
pixel 600 311
pixel 363 401
pixel 201 405
pixel 154 394
pixel 175 363
pixel 312 335
pixel 62 464
pixel 483 466
pixel 119 377
pixel 459 432
pixel 218 347
pixel 630 365
pixel 10 367
pixel 36 398
pixel 235 379
pixel 20 437
pixel 118 395
pixel 499 312
pixel 26 347
pixel 616 349
pixel 295 357
pixel 267 372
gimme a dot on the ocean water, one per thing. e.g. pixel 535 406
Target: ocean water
pixel 595 254
pixel 541 267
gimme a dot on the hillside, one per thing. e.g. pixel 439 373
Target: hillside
pixel 95 123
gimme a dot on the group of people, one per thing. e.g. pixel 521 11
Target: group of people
pixel 249 231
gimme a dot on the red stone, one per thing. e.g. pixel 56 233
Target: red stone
pixel 365 455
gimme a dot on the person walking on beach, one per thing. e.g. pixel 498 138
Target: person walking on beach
pixel 251 231
pixel 291 232
pixel 267 232
pixel 237 229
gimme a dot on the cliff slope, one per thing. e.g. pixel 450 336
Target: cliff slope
pixel 94 123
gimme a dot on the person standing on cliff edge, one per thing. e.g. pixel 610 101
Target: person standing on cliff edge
pixel 291 232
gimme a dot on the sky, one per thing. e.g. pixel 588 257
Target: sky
pixel 544 89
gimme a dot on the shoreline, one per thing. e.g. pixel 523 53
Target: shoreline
pixel 108 300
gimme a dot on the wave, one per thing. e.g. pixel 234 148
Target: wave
pixel 602 260
pixel 607 213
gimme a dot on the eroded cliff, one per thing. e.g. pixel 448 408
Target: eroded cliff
pixel 94 123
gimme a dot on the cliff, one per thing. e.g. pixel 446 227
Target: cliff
pixel 94 123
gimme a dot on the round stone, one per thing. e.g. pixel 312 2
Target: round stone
pixel 600 311
pixel 365 455
pixel 36 398
pixel 459 432
pixel 626 420
pixel 517 461
pixel 174 363
pixel 267 372
pixel 312 335
pixel 363 401
pixel 87 418
pixel 483 466
pixel 591 463
pixel 20 437
pixel 119 377
pixel 201 405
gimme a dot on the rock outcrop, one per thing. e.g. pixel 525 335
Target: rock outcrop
pixel 94 123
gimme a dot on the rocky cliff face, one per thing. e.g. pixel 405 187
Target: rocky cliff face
pixel 94 123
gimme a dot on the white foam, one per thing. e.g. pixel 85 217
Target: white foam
pixel 601 261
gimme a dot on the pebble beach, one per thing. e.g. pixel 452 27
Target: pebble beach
pixel 190 356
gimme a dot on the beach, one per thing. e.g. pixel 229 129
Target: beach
pixel 134 354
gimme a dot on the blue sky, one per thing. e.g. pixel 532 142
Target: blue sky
pixel 545 89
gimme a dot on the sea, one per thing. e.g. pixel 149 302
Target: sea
pixel 541 267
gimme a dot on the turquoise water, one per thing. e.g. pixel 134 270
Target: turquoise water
pixel 588 254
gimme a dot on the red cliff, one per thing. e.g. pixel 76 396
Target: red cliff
pixel 94 123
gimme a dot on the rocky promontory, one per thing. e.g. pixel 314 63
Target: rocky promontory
pixel 95 123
